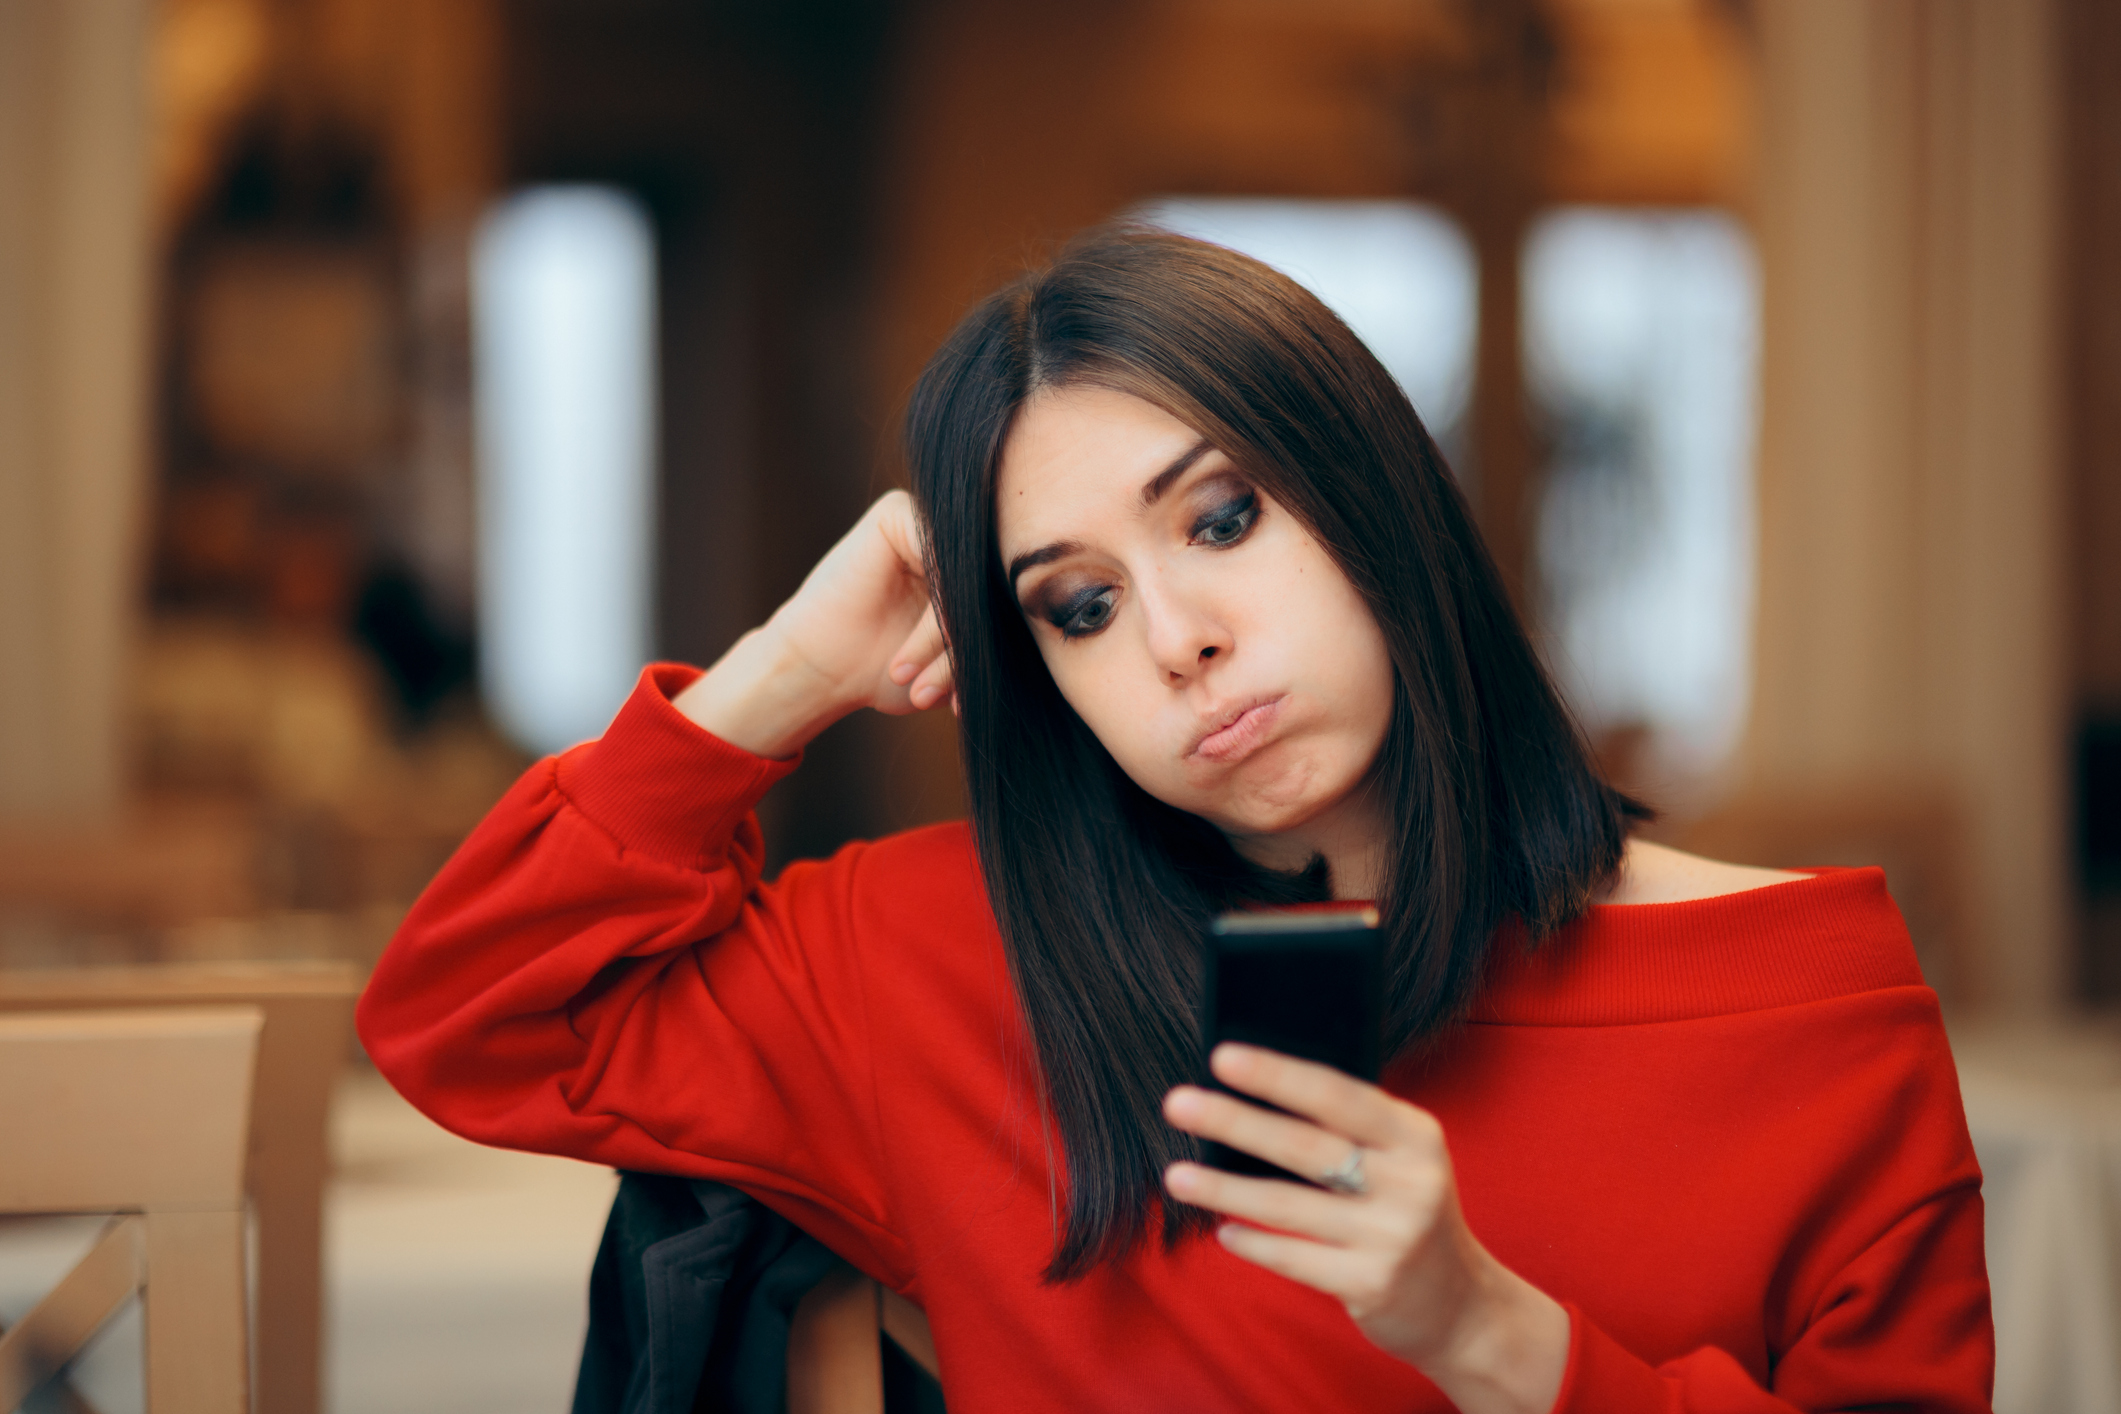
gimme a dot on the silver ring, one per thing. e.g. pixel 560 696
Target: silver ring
pixel 1346 1176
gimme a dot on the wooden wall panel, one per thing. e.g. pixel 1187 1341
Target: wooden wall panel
pixel 74 320
pixel 1910 635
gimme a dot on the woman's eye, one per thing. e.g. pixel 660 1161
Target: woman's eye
pixel 1085 615
pixel 1226 525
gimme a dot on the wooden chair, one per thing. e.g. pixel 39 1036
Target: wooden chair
pixel 835 1344
pixel 308 1034
pixel 145 1114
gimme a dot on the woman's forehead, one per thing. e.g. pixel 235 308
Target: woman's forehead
pixel 1079 457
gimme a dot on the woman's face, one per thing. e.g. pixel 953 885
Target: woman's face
pixel 1197 628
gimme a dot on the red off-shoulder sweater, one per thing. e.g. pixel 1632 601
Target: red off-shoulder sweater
pixel 1726 1133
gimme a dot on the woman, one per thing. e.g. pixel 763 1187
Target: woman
pixel 1660 1133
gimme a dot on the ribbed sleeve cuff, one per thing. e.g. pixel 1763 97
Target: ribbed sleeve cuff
pixel 1605 1378
pixel 660 783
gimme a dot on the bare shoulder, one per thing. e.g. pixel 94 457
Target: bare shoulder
pixel 1655 873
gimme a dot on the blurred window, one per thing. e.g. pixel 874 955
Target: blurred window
pixel 564 349
pixel 1403 276
pixel 1641 350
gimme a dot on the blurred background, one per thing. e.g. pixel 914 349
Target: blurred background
pixel 386 381
pixel 383 381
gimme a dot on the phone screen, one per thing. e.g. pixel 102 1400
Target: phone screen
pixel 1307 983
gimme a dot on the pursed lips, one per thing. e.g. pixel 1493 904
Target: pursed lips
pixel 1232 734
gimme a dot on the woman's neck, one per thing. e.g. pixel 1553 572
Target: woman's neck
pixel 1352 837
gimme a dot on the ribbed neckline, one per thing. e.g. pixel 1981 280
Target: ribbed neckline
pixel 1804 940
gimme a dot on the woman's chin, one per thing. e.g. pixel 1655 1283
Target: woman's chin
pixel 1275 793
pixel 1256 824
pixel 1293 813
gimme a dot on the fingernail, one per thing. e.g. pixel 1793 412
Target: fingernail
pixel 902 673
pixel 925 695
pixel 1181 1178
pixel 1182 1103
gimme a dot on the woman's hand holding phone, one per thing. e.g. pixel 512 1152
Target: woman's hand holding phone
pixel 1398 1255
pixel 860 632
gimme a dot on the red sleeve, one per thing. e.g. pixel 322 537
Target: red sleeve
pixel 1903 1326
pixel 599 972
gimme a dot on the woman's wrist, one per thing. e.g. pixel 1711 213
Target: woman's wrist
pixel 763 697
pixel 1508 1351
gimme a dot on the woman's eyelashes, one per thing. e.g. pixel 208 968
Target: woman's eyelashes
pixel 1084 612
pixel 1091 607
pixel 1225 524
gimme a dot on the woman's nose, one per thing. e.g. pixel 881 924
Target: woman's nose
pixel 1184 635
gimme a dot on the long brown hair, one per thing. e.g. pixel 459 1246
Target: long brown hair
pixel 1101 891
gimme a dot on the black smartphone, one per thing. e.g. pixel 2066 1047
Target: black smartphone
pixel 1305 982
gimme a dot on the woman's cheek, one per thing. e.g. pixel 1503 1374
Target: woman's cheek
pixel 1126 738
pixel 1130 738
pixel 1094 699
pixel 1125 720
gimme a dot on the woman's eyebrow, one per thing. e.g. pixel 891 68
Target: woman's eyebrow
pixel 1161 482
pixel 1157 485
pixel 1043 555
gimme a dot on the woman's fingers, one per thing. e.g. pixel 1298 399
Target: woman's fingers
pixel 1405 1163
pixel 1270 1202
pixel 921 665
pixel 1331 1098
pixel 1397 1252
pixel 1295 1144
pixel 900 524
pixel 1354 1277
pixel 920 650
pixel 934 684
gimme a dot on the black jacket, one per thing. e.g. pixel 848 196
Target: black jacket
pixel 689 1305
